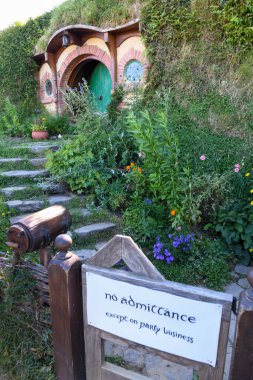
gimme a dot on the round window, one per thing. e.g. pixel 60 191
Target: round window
pixel 48 87
pixel 134 71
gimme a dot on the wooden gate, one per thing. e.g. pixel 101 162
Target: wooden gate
pixel 146 278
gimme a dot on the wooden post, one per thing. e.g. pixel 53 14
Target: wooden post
pixel 66 311
pixel 242 362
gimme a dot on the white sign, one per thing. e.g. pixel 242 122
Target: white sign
pixel 156 319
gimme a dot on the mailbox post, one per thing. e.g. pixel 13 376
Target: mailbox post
pixel 64 275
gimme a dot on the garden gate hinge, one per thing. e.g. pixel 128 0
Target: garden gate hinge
pixel 234 306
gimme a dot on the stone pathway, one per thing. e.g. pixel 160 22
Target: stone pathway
pixel 46 193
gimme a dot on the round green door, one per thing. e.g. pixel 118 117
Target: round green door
pixel 101 86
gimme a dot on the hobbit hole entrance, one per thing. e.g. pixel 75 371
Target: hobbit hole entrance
pixel 103 57
pixel 98 78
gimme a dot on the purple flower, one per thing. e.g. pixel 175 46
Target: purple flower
pixel 148 201
pixel 169 259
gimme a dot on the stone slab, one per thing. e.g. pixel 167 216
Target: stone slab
pixel 233 289
pixel 41 147
pixel 10 190
pixel 9 160
pixel 38 161
pixel 243 282
pixel 59 199
pixel 52 188
pixel 242 269
pixel 25 206
pixel 85 254
pixel 91 229
pixel 24 173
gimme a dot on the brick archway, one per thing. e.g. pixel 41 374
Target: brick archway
pixel 129 56
pixel 77 56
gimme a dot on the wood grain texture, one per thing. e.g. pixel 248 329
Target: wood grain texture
pixel 113 372
pixel 144 274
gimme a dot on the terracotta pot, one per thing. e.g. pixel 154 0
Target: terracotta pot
pixel 40 134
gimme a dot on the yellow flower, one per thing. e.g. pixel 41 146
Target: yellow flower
pixel 139 170
pixel 251 203
pixel 128 167
pixel 173 212
pixel 132 164
pixel 247 174
pixel 251 249
pixel 251 191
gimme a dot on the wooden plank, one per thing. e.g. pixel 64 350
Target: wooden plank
pixel 94 352
pixel 137 261
pixel 109 255
pixel 113 372
pixel 181 290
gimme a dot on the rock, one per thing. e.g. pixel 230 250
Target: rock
pixel 25 173
pixel 100 245
pixel 38 161
pixel 52 188
pixel 10 190
pixel 85 212
pixel 242 269
pixel 25 206
pixel 85 254
pixel 160 369
pixel 233 288
pixel 7 160
pixel 243 282
pixel 59 199
pixel 41 147
pixel 91 229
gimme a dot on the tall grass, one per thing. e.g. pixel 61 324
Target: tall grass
pixel 100 13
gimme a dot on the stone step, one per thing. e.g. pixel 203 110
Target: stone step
pixel 59 199
pixel 34 161
pixel 10 160
pixel 10 190
pixel 41 147
pixel 92 229
pixel 52 188
pixel 25 206
pixel 24 173
pixel 49 188
pixel 39 162
pixel 85 254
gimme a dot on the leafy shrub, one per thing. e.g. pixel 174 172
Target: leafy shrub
pixel 17 66
pixel 58 124
pixel 10 124
pixel 235 221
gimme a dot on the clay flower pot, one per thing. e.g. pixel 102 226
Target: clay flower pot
pixel 40 135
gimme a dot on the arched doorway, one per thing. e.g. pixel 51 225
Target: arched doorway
pixel 98 78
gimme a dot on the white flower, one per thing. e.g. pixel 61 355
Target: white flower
pixel 59 136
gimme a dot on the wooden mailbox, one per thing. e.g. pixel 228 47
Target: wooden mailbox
pixel 183 324
pixel 38 230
